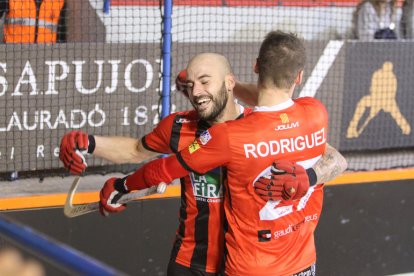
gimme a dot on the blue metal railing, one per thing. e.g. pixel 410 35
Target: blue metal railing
pixel 56 253
pixel 166 59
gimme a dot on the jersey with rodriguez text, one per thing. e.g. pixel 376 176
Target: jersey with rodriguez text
pixel 265 238
pixel 199 238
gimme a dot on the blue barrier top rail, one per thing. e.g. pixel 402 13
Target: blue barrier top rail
pixel 53 251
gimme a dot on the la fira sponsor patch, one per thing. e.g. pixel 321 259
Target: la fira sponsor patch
pixel 207 187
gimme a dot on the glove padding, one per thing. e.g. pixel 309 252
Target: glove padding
pixel 181 82
pixel 287 181
pixel 73 146
pixel 111 192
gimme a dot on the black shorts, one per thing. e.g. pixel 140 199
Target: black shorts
pixel 175 269
pixel 310 271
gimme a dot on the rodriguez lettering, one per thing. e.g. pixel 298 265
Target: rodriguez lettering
pixel 274 147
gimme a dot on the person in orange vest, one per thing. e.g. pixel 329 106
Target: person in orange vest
pixel 33 21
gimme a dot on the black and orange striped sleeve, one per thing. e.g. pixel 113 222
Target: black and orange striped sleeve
pixel 158 140
pixel 210 150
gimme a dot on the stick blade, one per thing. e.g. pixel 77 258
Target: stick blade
pixel 67 210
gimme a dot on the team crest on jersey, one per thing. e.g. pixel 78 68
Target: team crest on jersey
pixel 207 187
pixel 205 137
pixel 193 147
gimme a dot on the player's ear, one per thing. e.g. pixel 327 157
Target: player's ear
pixel 255 67
pixel 299 77
pixel 230 82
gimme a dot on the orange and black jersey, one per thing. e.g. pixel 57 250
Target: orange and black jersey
pixel 199 238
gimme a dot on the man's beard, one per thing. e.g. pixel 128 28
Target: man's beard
pixel 216 110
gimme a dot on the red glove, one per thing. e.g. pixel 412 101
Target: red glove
pixel 181 82
pixel 111 192
pixel 73 146
pixel 287 181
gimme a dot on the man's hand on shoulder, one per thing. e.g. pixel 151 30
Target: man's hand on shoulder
pixel 286 181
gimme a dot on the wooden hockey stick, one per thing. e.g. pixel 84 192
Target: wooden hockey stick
pixel 73 211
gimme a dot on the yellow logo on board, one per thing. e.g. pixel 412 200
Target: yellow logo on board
pixel 382 97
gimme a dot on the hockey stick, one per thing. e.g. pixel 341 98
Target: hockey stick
pixel 79 210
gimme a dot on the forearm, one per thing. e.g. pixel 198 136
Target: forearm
pixel 331 165
pixel 121 150
pixel 167 169
pixel 153 173
pixel 197 157
pixel 246 92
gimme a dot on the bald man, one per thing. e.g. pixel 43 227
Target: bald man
pixel 198 247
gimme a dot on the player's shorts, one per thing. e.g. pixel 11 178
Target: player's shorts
pixel 310 271
pixel 175 269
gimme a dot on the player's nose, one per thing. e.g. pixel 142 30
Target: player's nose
pixel 197 90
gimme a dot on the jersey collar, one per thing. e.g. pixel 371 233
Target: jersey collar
pixel 241 108
pixel 241 114
pixel 277 107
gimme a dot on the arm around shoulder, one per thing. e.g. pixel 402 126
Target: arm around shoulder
pixel 331 165
pixel 120 149
pixel 246 92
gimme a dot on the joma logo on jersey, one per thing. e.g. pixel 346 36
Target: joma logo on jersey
pixel 207 185
pixel 285 123
pixel 184 121
pixel 287 126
